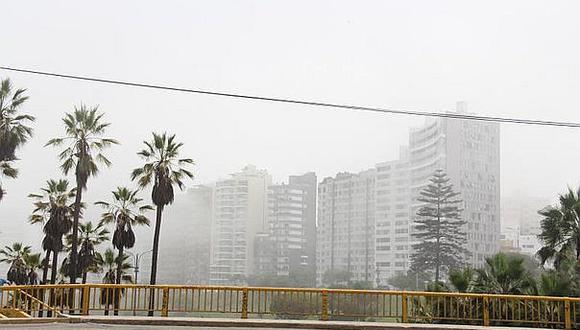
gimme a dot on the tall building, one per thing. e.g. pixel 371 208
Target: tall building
pixel 308 184
pixel 468 151
pixel 392 207
pixel 185 245
pixel 239 214
pixel 286 248
pixel 346 227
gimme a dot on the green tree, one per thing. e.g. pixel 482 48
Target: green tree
pixel 8 171
pixel 108 264
pixel 83 152
pixel 439 229
pixel 463 280
pixel 563 281
pixel 14 131
pixel 409 281
pixel 163 169
pixel 53 209
pixel 503 274
pixel 125 211
pixel 90 236
pixel 32 262
pixel 14 255
pixel 560 229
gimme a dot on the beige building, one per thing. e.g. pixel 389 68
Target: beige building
pixel 239 214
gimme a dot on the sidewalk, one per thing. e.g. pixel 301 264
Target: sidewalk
pixel 250 323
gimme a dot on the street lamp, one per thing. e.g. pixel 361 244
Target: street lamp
pixel 136 259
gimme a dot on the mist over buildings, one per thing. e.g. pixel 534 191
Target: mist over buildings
pixel 511 59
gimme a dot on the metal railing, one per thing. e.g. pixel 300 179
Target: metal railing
pixel 294 303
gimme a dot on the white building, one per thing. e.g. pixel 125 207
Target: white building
pixel 392 206
pixel 240 213
pixel 529 244
pixel 468 151
pixel 514 240
pixel 346 226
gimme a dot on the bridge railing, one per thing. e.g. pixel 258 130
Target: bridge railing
pixel 293 303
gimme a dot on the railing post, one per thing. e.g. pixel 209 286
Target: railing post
pixel 486 310
pixel 244 303
pixel 567 314
pixel 404 308
pixel 16 298
pixel 86 298
pixel 165 302
pixel 324 306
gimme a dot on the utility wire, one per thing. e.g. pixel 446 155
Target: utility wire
pixel 305 102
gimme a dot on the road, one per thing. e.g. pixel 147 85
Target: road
pixel 89 326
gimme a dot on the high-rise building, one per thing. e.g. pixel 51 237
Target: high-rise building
pixel 308 184
pixel 239 214
pixel 346 227
pixel 392 206
pixel 286 249
pixel 468 151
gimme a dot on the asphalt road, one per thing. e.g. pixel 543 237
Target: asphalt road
pixel 88 326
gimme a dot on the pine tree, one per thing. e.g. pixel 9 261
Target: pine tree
pixel 439 229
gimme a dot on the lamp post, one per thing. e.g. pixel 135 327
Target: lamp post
pixel 136 260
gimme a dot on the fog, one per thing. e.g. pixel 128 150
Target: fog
pixel 512 59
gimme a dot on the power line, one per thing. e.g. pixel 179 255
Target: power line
pixel 305 102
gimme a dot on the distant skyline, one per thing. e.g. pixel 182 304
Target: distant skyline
pixel 514 58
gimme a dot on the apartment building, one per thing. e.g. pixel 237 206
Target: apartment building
pixel 239 214
pixel 286 248
pixel 346 226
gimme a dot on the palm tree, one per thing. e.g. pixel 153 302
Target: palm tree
pixel 125 211
pixel 32 262
pixel 84 129
pixel 14 255
pixel 503 274
pixel 463 280
pixel 112 265
pixel 108 262
pixel 6 170
pixel 89 237
pixel 53 209
pixel 163 169
pixel 14 131
pixel 560 229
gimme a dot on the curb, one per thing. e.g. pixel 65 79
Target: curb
pixel 251 323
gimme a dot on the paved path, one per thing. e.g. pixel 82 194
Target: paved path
pixel 181 323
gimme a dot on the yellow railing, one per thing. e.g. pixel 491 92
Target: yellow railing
pixel 293 303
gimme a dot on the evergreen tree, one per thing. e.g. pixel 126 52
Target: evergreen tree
pixel 439 229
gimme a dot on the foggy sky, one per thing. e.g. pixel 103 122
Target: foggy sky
pixel 505 58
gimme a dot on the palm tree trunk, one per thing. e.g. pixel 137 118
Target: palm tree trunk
pixel 45 267
pixel 53 272
pixel 54 268
pixel 154 259
pixel 118 281
pixel 75 234
pixel 44 279
pixel 577 249
pixel 85 277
